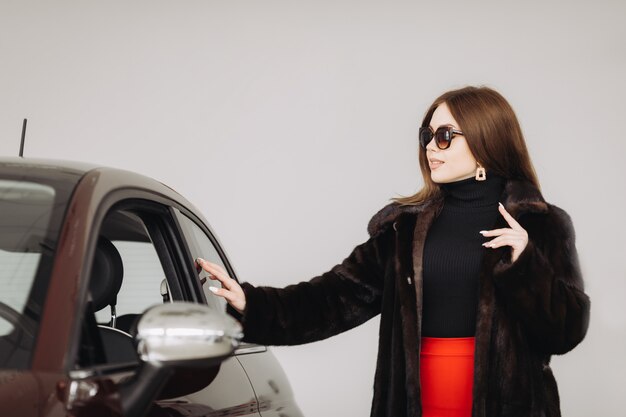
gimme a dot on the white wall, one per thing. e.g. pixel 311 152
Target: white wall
pixel 291 123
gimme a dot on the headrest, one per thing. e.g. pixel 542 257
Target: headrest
pixel 106 275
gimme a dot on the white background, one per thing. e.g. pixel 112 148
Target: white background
pixel 289 124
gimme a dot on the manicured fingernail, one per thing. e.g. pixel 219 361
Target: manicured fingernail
pixel 500 204
pixel 199 260
pixel 213 290
pixel 482 232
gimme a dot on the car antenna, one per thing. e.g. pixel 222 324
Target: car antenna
pixel 23 137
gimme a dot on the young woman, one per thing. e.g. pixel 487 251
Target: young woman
pixel 476 278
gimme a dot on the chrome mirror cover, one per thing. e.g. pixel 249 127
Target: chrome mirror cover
pixel 183 331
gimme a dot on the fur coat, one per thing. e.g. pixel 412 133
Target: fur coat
pixel 528 310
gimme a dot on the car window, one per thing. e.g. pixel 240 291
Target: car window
pixel 30 218
pixel 127 277
pixel 17 270
pixel 25 208
pixel 201 246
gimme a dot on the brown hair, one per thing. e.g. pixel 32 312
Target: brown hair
pixel 493 135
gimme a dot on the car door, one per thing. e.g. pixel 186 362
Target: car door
pixel 143 235
pixel 273 391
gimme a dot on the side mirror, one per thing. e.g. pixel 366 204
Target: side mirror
pixel 186 334
pixel 172 336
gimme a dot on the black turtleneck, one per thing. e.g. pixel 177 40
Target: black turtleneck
pixel 453 253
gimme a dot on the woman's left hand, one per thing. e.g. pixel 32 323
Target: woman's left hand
pixel 515 236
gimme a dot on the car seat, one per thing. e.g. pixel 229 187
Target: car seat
pixel 107 274
pixel 105 282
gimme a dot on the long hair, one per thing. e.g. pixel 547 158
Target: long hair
pixel 493 135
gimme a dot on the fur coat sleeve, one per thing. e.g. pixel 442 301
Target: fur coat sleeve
pixel 543 288
pixel 347 295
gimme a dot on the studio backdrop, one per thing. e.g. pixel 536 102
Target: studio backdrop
pixel 290 123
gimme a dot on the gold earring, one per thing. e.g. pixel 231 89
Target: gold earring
pixel 481 174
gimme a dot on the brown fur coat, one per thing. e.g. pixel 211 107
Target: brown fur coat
pixel 527 311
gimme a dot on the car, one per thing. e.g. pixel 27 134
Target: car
pixel 103 310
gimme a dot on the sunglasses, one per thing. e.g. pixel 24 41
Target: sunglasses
pixel 443 136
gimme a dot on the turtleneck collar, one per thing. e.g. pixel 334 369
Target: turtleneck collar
pixel 469 193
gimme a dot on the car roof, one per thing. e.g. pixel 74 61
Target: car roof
pixel 73 171
pixel 49 167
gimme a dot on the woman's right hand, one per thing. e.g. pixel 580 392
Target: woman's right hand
pixel 231 290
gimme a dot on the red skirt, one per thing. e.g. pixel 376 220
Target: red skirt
pixel 447 376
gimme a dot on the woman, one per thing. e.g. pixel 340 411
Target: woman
pixel 474 296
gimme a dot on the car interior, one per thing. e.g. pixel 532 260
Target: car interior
pixel 105 283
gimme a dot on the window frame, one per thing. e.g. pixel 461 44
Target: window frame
pixel 171 247
pixel 209 233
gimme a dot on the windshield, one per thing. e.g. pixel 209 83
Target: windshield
pixel 30 218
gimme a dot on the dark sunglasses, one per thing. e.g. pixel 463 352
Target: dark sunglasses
pixel 443 136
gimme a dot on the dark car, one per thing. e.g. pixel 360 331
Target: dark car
pixel 103 311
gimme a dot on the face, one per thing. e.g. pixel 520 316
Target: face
pixel 454 163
